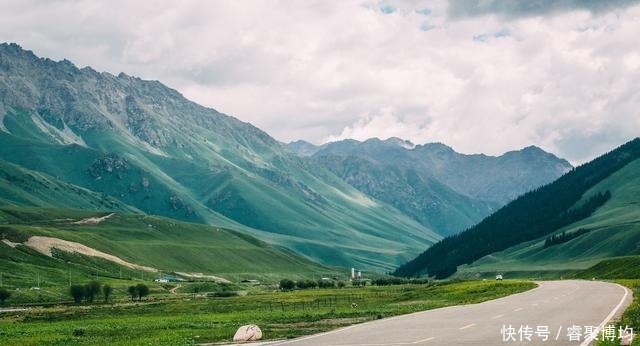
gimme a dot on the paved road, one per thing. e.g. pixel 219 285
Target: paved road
pixel 555 304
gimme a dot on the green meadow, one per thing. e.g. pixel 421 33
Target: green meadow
pixel 189 319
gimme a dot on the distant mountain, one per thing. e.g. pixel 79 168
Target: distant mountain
pixel 303 148
pixel 592 212
pixel 442 189
pixel 149 148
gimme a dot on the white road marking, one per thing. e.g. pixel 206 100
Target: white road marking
pixel 534 304
pixel 467 326
pixel 613 312
pixel 424 340
pixel 518 309
pixel 497 316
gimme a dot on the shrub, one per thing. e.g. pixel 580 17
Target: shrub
pixel 326 284
pixel 78 292
pixel 341 284
pixel 143 291
pixel 133 292
pixel 4 295
pixel 222 294
pixel 107 290
pixel 78 332
pixel 287 285
pixel 91 290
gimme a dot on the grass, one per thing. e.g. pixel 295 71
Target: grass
pixel 631 316
pixel 161 243
pixel 189 321
pixel 615 268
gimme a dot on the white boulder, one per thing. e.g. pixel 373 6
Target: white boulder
pixel 250 332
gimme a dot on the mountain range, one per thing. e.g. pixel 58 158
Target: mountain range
pixel 438 187
pixel 76 138
pixel 140 145
pixel 589 214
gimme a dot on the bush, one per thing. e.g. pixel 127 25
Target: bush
pixel 4 295
pixel 222 294
pixel 143 291
pixel 341 284
pixel 326 284
pixel 78 292
pixel 107 290
pixel 287 285
pixel 133 292
pixel 78 332
pixel 91 290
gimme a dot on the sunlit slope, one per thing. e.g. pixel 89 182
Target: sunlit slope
pixel 160 243
pixel 614 231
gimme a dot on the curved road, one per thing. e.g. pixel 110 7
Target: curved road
pixel 557 305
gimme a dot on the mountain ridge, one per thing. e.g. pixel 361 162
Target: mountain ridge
pixel 154 150
pixel 440 188
pixel 563 205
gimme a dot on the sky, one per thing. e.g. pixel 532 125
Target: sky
pixel 482 76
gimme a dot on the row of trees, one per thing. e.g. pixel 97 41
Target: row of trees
pixel 564 237
pixel 287 285
pixel 90 291
pixel 138 291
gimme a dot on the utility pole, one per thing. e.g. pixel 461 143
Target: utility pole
pixel 69 277
pixel 120 273
pixel 38 279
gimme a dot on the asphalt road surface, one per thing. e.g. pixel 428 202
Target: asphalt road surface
pixel 558 305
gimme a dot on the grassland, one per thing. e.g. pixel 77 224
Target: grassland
pixel 187 321
pixel 164 244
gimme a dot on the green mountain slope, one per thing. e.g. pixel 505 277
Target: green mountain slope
pixel 20 186
pixel 149 147
pixel 440 188
pixel 164 244
pixel 599 197
pixel 613 230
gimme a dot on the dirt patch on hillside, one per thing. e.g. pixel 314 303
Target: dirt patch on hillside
pixel 200 276
pixel 10 243
pixel 45 244
pixel 93 220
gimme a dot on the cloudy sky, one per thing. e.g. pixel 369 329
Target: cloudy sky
pixel 482 76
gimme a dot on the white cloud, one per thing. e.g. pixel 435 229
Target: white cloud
pixel 328 70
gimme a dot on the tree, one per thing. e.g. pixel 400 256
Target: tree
pixel 287 285
pixel 107 290
pixel 4 295
pixel 341 284
pixel 78 292
pixel 133 291
pixel 143 291
pixel 92 289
